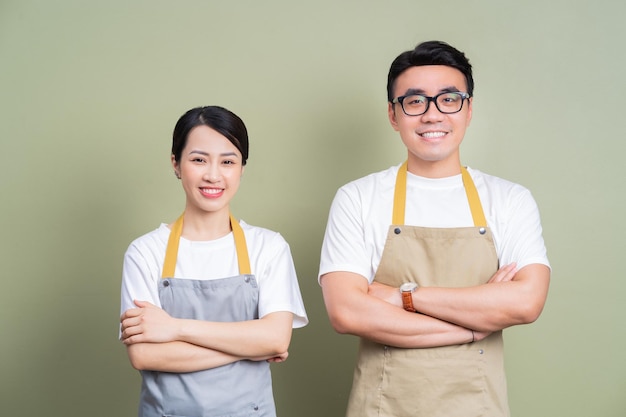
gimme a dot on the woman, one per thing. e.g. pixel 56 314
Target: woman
pixel 207 301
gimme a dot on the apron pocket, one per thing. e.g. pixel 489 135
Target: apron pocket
pixel 445 382
pixel 249 410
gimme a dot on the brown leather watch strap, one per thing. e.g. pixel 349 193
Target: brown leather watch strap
pixel 407 301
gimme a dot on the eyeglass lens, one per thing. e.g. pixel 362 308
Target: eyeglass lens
pixel 414 105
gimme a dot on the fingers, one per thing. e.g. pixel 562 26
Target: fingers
pixel 131 327
pixel 280 358
pixel 134 312
pixel 132 339
pixel 386 293
pixel 143 304
pixel 147 324
pixel 130 313
pixel 132 323
pixel 504 274
pixel 480 335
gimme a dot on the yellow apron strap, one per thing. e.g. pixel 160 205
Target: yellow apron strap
pixel 474 201
pixel 171 253
pixel 399 197
pixel 242 249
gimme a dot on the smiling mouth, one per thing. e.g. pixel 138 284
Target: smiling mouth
pixel 432 135
pixel 212 192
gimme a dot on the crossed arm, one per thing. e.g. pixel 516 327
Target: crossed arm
pixel 450 315
pixel 158 342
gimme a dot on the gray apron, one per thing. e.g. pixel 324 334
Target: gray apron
pixel 242 388
pixel 451 381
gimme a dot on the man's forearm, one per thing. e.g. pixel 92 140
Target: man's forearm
pixel 353 311
pixel 492 306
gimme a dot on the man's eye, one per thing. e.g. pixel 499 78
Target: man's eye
pixel 415 100
pixel 450 98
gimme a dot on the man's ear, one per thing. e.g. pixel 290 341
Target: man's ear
pixel 470 107
pixel 391 113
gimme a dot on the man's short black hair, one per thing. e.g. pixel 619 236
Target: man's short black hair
pixel 430 53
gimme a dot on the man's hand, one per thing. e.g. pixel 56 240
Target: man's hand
pixel 504 274
pixel 147 324
pixel 386 293
pixel 393 296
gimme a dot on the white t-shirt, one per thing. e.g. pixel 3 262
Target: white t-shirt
pixel 361 212
pixel 270 261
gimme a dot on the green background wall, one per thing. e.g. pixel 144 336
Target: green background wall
pixel 89 94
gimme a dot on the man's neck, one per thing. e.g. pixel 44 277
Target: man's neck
pixel 434 169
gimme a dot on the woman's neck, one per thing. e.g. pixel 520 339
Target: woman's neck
pixel 202 226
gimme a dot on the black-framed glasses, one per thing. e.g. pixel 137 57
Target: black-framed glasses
pixel 446 103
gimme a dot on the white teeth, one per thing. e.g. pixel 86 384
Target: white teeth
pixel 432 134
pixel 211 190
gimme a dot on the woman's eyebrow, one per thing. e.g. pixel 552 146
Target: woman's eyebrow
pixel 203 153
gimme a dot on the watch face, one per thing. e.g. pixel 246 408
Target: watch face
pixel 408 286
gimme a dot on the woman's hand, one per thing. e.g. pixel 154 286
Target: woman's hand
pixel 147 324
pixel 280 358
pixel 272 359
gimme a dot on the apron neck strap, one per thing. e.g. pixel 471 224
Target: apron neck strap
pixel 399 198
pixel 171 253
pixel 240 245
pixel 399 195
pixel 472 197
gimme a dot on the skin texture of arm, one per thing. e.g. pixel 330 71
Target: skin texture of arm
pixel 267 337
pixel 492 306
pixel 175 357
pixel 353 311
pixel 182 357
pixel 509 298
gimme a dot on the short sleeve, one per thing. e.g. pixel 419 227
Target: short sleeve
pixel 343 248
pixel 278 282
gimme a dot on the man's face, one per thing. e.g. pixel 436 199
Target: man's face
pixel 433 138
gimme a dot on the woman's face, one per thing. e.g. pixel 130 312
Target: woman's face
pixel 210 170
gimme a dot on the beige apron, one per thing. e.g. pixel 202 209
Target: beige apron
pixel 462 380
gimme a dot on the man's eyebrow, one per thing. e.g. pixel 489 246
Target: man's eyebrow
pixel 419 91
pixel 450 89
pixel 412 91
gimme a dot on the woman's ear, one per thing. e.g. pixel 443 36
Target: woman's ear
pixel 175 166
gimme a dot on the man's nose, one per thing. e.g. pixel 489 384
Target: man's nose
pixel 432 112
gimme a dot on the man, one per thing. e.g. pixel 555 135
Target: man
pixel 428 261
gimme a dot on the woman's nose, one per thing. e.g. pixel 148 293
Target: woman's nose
pixel 212 174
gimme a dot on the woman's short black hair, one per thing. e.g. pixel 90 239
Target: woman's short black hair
pixel 217 118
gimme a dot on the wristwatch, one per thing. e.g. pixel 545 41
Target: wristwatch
pixel 407 289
